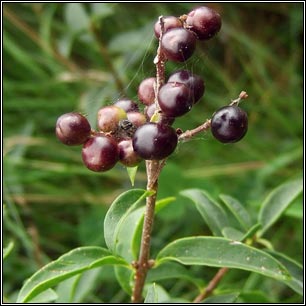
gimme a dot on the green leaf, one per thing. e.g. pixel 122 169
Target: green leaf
pixel 126 234
pixel 117 213
pixel 152 295
pixel 295 269
pixel 124 277
pixel 132 171
pixel 130 231
pixel 254 297
pixel 158 293
pixel 232 233
pixel 251 232
pixel 66 266
pixel 237 209
pixel 76 17
pixel 160 204
pixel 277 201
pixel 45 297
pixel 221 298
pixel 102 10
pixel 168 270
pixel 213 214
pixel 221 252
pixel 77 288
pixel 8 249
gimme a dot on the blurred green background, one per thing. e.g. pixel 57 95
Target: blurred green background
pixel 62 57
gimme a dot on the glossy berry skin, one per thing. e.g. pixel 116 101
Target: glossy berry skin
pixel 154 141
pixel 229 124
pixel 127 156
pixel 170 22
pixel 72 129
pixel 204 21
pixel 136 118
pixel 127 105
pixel 146 93
pixel 192 81
pixel 178 44
pixel 100 153
pixel 175 99
pixel 109 117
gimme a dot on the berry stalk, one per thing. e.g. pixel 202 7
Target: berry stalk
pixel 187 135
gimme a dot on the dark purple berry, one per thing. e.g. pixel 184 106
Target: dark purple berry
pixel 178 44
pixel 109 117
pixel 100 153
pixel 154 141
pixel 127 105
pixel 204 21
pixel 229 124
pixel 192 81
pixel 170 22
pixel 127 156
pixel 175 99
pixel 146 93
pixel 72 129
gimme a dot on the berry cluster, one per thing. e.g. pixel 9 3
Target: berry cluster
pixel 126 134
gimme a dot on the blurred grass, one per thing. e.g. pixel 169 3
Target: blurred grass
pixel 60 57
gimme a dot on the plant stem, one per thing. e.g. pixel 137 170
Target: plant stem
pixel 143 264
pixel 153 168
pixel 190 133
pixel 211 286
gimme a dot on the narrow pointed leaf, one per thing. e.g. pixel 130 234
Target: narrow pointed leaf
pixel 169 270
pixel 277 201
pixel 160 204
pixel 124 277
pixel 7 250
pixel 118 211
pixel 132 171
pixel 238 210
pixel 251 232
pixel 66 266
pixel 221 298
pixel 152 296
pixel 295 269
pixel 212 213
pixel 221 252
pixel 232 233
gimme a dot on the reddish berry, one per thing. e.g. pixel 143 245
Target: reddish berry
pixel 72 129
pixel 127 156
pixel 100 153
pixel 178 44
pixel 109 117
pixel 127 105
pixel 136 118
pixel 175 99
pixel 154 141
pixel 146 93
pixel 170 22
pixel 192 81
pixel 204 21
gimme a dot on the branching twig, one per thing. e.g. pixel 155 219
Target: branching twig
pixel 211 286
pixel 206 125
